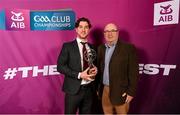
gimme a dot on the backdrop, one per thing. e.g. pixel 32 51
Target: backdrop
pixel 29 82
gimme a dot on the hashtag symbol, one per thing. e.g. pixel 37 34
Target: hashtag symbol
pixel 10 73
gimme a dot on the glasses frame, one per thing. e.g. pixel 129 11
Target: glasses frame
pixel 110 31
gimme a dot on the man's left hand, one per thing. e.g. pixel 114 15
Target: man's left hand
pixel 93 71
pixel 128 97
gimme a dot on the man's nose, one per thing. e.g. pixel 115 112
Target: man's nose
pixel 109 33
pixel 83 29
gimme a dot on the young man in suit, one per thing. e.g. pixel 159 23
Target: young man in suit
pixel 118 69
pixel 79 78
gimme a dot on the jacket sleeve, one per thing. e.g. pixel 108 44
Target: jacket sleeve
pixel 99 85
pixel 62 63
pixel 133 71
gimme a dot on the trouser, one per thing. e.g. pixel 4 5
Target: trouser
pixel 81 101
pixel 109 108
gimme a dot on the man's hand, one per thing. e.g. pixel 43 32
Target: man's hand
pixel 93 71
pixel 84 75
pixel 128 97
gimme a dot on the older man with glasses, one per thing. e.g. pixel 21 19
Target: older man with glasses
pixel 118 70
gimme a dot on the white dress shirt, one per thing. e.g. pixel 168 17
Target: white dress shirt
pixel 81 54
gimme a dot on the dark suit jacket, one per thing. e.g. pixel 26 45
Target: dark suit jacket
pixel 69 64
pixel 123 70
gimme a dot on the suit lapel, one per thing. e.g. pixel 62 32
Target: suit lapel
pixel 76 52
pixel 116 50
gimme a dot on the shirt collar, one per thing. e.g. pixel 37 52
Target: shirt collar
pixel 109 46
pixel 80 40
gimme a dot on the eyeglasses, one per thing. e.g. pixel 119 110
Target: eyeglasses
pixel 110 31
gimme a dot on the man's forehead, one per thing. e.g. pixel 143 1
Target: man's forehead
pixel 110 26
pixel 83 23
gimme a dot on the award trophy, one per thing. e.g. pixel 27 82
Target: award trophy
pixel 90 56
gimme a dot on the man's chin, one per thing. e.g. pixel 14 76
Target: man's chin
pixel 83 37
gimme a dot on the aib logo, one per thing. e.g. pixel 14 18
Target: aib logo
pixel 166 9
pixel 17 20
pixel 166 12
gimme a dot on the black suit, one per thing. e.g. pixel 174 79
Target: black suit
pixel 69 64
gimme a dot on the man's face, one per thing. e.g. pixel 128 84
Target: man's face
pixel 111 33
pixel 82 30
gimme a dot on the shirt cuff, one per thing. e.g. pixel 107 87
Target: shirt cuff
pixel 79 75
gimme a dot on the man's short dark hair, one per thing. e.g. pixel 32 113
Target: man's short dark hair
pixel 84 20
